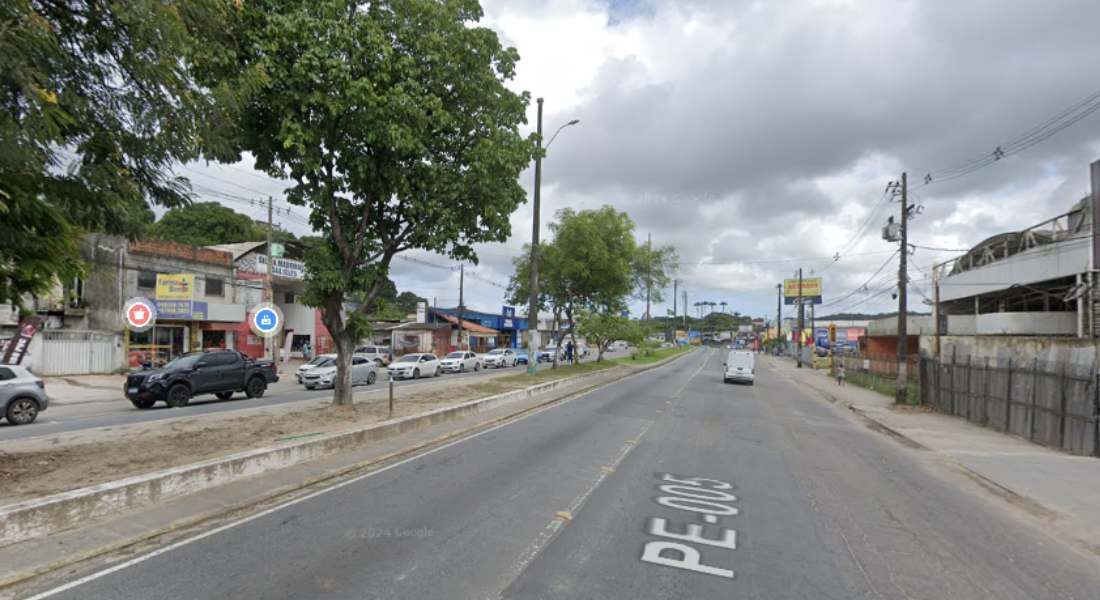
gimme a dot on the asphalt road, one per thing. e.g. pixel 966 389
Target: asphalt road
pixel 779 495
pixel 61 418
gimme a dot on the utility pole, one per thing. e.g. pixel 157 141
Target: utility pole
pixel 675 296
pixel 648 272
pixel 685 322
pixel 461 306
pixel 533 306
pixel 903 283
pixel 801 319
pixel 779 315
pixel 269 292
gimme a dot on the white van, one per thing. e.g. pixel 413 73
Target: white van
pixel 739 366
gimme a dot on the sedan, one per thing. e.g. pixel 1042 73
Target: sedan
pixel 415 366
pixel 317 361
pixel 363 370
pixel 460 362
pixel 22 395
pixel 500 358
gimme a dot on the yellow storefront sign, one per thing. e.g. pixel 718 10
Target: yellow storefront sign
pixel 175 286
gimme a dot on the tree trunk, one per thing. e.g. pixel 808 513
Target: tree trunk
pixel 333 319
pixel 557 336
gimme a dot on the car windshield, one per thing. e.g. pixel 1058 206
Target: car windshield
pixel 184 362
pixel 318 360
pixel 496 352
pixel 327 362
pixel 409 358
pixel 456 355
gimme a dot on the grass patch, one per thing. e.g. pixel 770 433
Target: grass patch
pixel 639 357
pixel 883 384
pixel 548 374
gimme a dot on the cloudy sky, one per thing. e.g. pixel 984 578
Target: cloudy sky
pixel 758 137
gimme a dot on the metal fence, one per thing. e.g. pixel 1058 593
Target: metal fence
pixel 1053 404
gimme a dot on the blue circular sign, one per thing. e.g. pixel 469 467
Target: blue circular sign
pixel 267 320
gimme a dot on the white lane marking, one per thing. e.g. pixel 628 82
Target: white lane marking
pixel 710 519
pixel 155 553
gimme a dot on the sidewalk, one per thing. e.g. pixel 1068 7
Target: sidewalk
pixel 1061 487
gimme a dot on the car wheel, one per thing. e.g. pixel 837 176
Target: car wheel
pixel 224 395
pixel 22 411
pixel 371 378
pixel 255 387
pixel 477 367
pixel 462 368
pixel 437 372
pixel 416 373
pixel 143 403
pixel 178 396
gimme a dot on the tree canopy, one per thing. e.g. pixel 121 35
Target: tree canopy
pixel 100 101
pixel 206 224
pixel 393 121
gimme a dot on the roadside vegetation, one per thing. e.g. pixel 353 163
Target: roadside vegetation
pixel 644 355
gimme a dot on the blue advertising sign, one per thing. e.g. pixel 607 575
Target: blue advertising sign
pixel 508 311
pixel 183 310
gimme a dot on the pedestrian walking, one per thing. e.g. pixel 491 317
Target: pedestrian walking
pixel 840 374
pixel 569 352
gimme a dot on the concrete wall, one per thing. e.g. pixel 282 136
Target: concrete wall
pixel 1064 259
pixel 1027 323
pixel 1000 348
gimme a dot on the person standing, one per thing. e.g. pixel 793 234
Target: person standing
pixel 569 352
pixel 840 374
pixel 307 351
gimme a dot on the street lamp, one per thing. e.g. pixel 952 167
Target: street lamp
pixel 533 306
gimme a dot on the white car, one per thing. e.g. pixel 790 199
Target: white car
pixel 317 360
pixel 739 366
pixel 363 370
pixel 460 362
pixel 501 358
pixel 415 366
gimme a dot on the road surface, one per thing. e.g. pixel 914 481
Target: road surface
pixel 62 418
pixel 669 484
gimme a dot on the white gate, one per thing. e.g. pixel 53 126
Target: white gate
pixel 72 352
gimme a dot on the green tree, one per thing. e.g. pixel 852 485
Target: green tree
pixel 100 102
pixel 653 269
pixel 206 224
pixel 553 293
pixel 393 121
pixel 599 328
pixel 406 302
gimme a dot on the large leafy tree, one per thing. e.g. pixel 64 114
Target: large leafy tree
pixel 99 102
pixel 206 224
pixel 553 294
pixel 588 266
pixel 393 121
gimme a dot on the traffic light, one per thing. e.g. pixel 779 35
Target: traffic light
pixel 832 333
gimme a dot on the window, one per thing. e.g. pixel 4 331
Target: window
pixel 218 359
pixel 6 374
pixel 425 358
pixel 358 360
pixel 147 279
pixel 289 298
pixel 215 286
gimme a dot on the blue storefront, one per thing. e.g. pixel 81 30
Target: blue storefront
pixel 510 327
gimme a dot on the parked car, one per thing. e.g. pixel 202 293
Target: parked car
pixel 547 354
pixel 415 366
pixel 364 369
pixel 313 364
pixel 740 365
pixel 381 355
pixel 22 395
pixel 500 358
pixel 222 373
pixel 521 358
pixel 460 362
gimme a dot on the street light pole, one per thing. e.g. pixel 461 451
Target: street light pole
pixel 533 304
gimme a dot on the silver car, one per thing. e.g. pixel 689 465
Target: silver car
pixel 323 375
pixel 22 395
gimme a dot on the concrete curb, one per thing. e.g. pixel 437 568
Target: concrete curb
pixel 51 514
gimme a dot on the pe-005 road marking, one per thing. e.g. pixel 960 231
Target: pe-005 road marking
pixel 704 497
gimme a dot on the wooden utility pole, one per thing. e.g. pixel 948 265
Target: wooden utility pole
pixel 461 306
pixel 779 315
pixel 533 300
pixel 901 393
pixel 648 272
pixel 801 320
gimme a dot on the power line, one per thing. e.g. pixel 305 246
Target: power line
pixel 864 285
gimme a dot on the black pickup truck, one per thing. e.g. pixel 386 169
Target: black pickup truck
pixel 221 373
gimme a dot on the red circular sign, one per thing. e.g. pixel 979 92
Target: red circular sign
pixel 139 314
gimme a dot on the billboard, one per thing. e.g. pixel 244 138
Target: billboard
pixel 178 286
pixel 811 290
